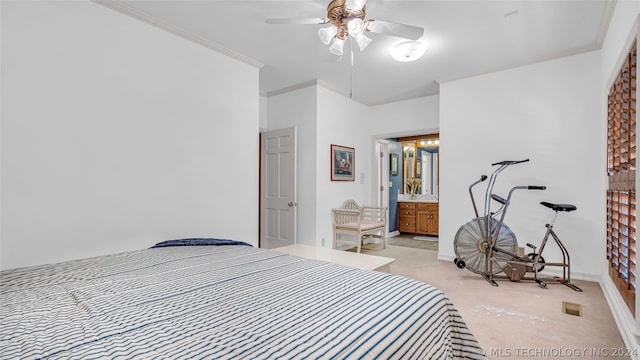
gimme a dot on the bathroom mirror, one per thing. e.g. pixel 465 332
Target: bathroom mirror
pixel 420 162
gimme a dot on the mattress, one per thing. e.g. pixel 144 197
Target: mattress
pixel 223 302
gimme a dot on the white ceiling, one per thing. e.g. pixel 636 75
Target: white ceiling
pixel 463 38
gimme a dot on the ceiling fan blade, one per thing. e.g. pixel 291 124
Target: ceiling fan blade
pixel 303 21
pixel 394 29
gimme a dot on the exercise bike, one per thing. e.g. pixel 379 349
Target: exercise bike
pixel 486 245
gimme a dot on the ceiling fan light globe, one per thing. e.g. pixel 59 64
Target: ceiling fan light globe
pixel 355 27
pixel 355 5
pixel 326 34
pixel 362 41
pixel 337 47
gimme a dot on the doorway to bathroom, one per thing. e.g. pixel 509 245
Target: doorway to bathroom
pixel 410 176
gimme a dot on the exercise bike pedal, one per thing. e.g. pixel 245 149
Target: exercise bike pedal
pixel 568 284
pixel 490 281
pixel 541 283
pixel 532 247
pixel 575 288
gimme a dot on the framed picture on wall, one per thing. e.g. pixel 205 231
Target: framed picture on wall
pixel 393 164
pixel 342 163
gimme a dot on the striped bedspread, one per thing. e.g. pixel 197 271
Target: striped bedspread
pixel 223 302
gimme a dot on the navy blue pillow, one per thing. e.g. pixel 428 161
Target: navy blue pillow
pixel 199 242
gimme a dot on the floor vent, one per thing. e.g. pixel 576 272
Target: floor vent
pixel 571 308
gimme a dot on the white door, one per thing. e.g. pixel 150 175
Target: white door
pixel 278 188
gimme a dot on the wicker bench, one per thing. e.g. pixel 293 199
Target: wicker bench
pixel 352 224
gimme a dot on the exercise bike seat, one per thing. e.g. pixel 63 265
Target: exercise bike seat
pixel 559 207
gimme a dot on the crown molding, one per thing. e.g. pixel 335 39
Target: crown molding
pixel 607 15
pixel 137 14
pixel 294 87
pixel 532 61
pixel 624 52
pixel 343 92
pixel 314 82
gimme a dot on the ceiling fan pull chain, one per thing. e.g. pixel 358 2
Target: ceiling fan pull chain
pixel 351 69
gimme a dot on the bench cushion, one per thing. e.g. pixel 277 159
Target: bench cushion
pixel 364 225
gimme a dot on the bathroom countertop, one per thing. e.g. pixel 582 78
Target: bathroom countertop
pixel 423 198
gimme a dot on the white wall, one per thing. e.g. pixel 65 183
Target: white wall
pixel 116 135
pixel 322 118
pixel 298 108
pixel 264 112
pixel 414 116
pixel 344 122
pixel 548 112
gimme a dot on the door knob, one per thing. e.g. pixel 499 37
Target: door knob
pixel 290 204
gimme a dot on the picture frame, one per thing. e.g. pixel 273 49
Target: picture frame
pixel 393 164
pixel 343 163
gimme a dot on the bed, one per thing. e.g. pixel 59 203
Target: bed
pixel 226 301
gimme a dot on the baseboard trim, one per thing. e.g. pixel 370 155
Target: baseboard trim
pixel 445 257
pixel 622 316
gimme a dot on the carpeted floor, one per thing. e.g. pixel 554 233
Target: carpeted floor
pixel 516 320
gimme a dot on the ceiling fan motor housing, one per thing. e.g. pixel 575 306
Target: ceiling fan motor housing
pixel 339 16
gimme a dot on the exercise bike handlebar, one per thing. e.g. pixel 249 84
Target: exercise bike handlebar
pixel 524 187
pixel 473 200
pixel 503 165
pixel 509 162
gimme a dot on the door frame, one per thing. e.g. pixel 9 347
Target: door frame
pixel 381 186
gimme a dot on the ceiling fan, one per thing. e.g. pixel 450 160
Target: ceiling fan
pixel 347 19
